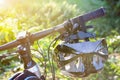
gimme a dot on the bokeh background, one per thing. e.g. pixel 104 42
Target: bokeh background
pixel 37 15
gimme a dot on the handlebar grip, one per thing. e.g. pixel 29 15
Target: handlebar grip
pixel 95 14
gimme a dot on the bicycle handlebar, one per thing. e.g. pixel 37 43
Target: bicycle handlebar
pixel 35 36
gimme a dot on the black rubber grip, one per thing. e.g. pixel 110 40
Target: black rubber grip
pixel 95 14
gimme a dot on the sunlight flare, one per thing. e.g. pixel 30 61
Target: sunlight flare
pixel 3 3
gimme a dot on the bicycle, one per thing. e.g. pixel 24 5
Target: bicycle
pixel 75 58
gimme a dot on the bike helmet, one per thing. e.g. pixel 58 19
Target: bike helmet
pixel 82 58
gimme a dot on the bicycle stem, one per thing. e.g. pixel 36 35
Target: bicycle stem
pixel 29 63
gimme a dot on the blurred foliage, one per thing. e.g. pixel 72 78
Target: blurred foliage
pixel 113 24
pixel 112 18
pixel 113 6
pixel 36 15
